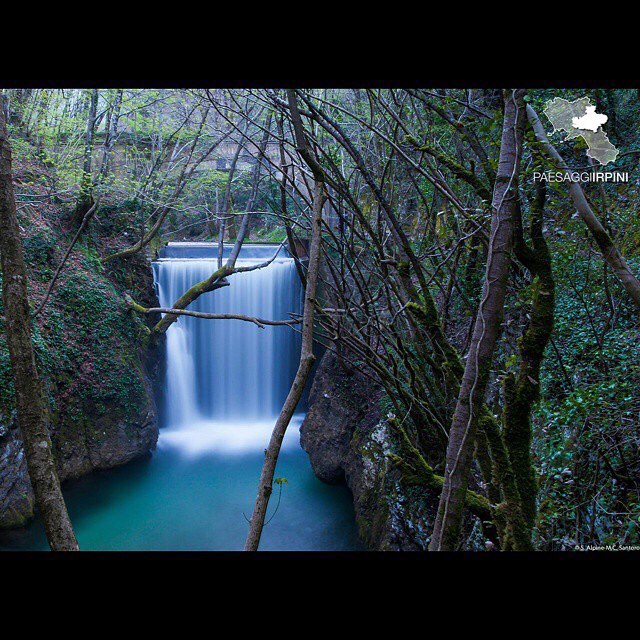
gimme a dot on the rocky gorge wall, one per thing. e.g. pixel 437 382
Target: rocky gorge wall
pixel 92 357
pixel 348 440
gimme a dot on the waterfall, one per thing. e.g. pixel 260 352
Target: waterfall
pixel 226 380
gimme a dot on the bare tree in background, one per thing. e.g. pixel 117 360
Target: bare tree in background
pixel 85 198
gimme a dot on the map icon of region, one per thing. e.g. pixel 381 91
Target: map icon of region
pixel 580 119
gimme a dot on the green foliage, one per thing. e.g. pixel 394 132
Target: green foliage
pixel 39 247
pixel 6 379
pixel 274 235
pixel 586 445
pixel 85 341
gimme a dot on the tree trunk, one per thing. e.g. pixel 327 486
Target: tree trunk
pixel 522 389
pixel 226 200
pixel 30 401
pixel 85 197
pixel 112 132
pixel 486 331
pixel 265 486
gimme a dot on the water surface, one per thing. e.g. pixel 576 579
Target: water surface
pixel 186 500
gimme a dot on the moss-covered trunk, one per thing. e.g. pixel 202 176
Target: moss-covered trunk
pixel 30 403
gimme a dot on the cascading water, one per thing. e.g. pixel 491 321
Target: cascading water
pixel 230 369
pixel 226 380
pixel 225 384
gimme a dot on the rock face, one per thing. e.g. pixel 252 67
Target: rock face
pixel 102 444
pixel 92 352
pixel 348 440
pixel 98 376
pixel 16 496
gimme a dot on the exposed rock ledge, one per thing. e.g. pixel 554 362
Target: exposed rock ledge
pixel 348 440
pixel 102 444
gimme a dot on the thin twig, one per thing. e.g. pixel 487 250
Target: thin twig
pixel 85 221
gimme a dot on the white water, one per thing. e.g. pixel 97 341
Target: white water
pixel 226 380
